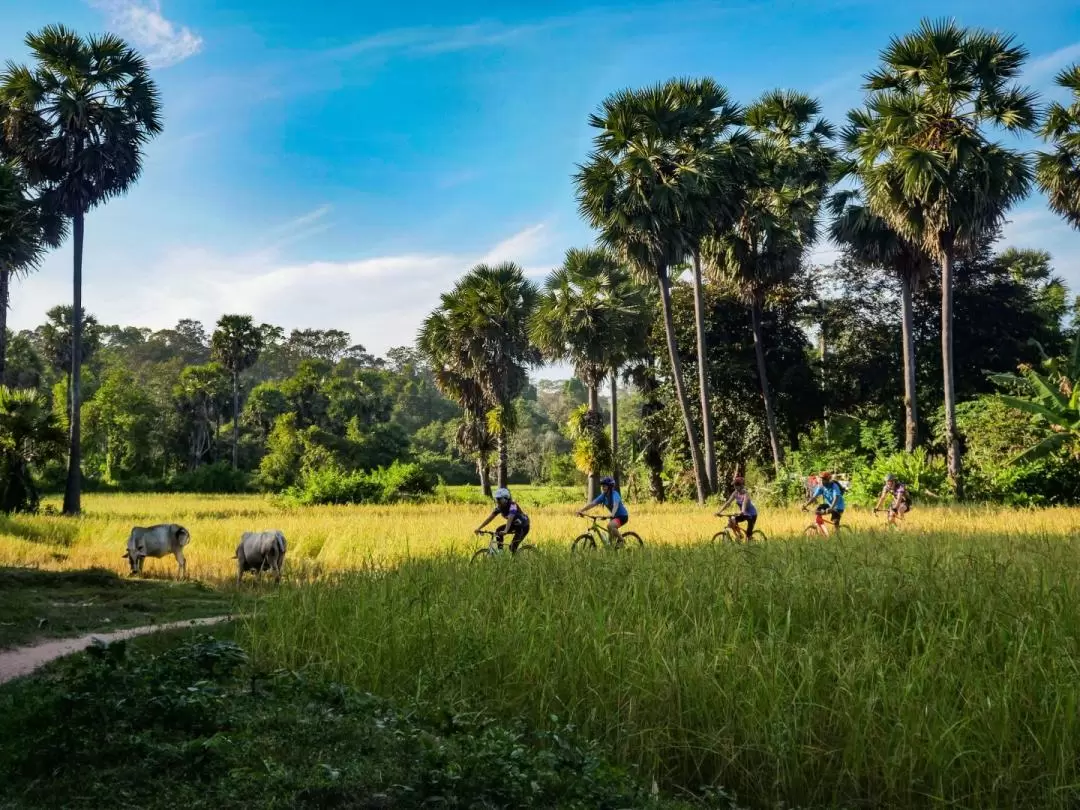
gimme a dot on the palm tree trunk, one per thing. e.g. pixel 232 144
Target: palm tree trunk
pixel 703 376
pixel 593 485
pixel 504 457
pixel 5 279
pixel 911 415
pixel 766 392
pixel 485 477
pixel 615 425
pixel 236 420
pixel 73 487
pixel 952 438
pixel 680 391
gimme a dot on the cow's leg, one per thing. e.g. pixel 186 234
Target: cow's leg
pixel 180 561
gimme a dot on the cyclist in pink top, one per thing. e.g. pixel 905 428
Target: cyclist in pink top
pixel 740 495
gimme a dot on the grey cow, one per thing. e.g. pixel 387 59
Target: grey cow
pixel 258 551
pixel 157 541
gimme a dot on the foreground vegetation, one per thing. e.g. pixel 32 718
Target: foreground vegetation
pixel 195 725
pixel 886 671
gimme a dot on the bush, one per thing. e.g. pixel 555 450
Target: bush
pixel 216 477
pixel 404 479
pixel 334 486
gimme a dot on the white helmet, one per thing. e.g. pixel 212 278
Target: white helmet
pixel 502 492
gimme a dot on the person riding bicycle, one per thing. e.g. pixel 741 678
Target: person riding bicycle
pixel 517 522
pixel 901 498
pixel 609 497
pixel 832 496
pixel 740 495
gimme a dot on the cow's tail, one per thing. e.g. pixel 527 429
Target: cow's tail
pixel 279 541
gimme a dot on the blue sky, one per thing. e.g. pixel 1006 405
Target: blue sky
pixel 339 163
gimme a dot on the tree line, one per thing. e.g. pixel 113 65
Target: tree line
pixel 706 211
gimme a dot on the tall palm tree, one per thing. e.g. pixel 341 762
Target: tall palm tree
pixel 1058 172
pixel 235 345
pixel 591 313
pixel 478 345
pixel 645 188
pixel 871 240
pixel 925 160
pixel 707 118
pixel 78 121
pixel 777 223
pixel 28 229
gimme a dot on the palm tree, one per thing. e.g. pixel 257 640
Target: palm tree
pixel 926 164
pixel 235 345
pixel 77 122
pixel 28 434
pixel 1058 172
pixel 777 223
pixel 645 187
pixel 871 240
pixel 478 345
pixel 590 313
pixel 28 229
pixel 707 116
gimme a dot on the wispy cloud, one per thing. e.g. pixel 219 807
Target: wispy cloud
pixel 142 22
pixel 1047 66
pixel 434 40
pixel 523 247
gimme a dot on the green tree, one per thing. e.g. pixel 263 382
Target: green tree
pixel 478 344
pixel 591 313
pixel 120 419
pixel 28 229
pixel 927 164
pixel 201 397
pixel 1058 172
pixel 55 339
pixel 871 241
pixel 235 346
pixel 777 224
pixel 29 435
pixel 77 121
pixel 643 187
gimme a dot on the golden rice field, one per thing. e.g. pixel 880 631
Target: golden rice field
pixel 936 666
pixel 334 538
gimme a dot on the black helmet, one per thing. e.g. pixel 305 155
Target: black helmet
pixel 607 481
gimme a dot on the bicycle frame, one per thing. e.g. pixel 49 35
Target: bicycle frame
pixel 733 525
pixel 602 534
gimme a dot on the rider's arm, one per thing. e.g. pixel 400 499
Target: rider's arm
pixel 881 499
pixel 616 503
pixel 587 507
pixel 490 518
pixel 725 505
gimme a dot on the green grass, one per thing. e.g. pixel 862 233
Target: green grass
pixel 884 671
pixel 183 720
pixel 50 604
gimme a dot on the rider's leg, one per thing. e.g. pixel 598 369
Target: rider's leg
pixel 751 520
pixel 613 531
pixel 500 533
pixel 521 530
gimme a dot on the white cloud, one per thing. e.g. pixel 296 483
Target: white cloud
pixel 1045 67
pixel 381 301
pixel 163 42
pixel 524 246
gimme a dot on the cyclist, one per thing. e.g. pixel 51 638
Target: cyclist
pixel 901 499
pixel 517 522
pixel 609 497
pixel 832 496
pixel 740 495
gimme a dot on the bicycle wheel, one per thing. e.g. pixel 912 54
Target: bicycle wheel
pixel 584 542
pixel 526 547
pixel 723 536
pixel 481 554
pixel 631 540
pixel 812 531
pixel 758 537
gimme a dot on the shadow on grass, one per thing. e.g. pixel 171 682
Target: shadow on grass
pixel 55 531
pixel 36 604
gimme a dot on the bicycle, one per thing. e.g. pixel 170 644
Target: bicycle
pixel 493 549
pixel 587 541
pixel 893 518
pixel 819 528
pixel 734 532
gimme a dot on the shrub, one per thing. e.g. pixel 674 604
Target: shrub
pixel 216 477
pixel 334 486
pixel 404 479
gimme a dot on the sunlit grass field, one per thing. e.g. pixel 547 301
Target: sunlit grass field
pixel 938 665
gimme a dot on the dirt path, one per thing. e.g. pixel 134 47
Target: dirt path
pixel 24 660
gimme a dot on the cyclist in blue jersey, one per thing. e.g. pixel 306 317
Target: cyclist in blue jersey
pixel 832 496
pixel 610 499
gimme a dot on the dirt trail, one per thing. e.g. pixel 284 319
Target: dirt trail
pixel 24 660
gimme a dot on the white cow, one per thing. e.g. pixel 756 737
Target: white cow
pixel 157 541
pixel 258 551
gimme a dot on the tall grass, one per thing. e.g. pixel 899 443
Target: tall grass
pixel 884 671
